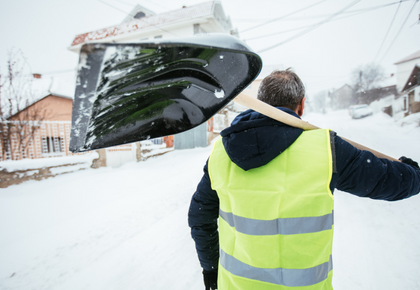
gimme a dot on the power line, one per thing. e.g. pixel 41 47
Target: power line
pixel 386 35
pixel 284 16
pixel 355 12
pixel 321 15
pixel 399 31
pixel 309 29
pixel 417 22
pixel 130 4
pixel 114 7
pixel 156 4
pixel 276 33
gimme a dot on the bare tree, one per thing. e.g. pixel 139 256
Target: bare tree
pixel 365 79
pixel 19 120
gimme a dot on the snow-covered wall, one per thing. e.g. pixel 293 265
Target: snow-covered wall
pixel 397 106
pixel 16 172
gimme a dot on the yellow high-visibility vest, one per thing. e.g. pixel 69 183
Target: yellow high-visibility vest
pixel 276 221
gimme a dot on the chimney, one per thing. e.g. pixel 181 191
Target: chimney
pixel 37 76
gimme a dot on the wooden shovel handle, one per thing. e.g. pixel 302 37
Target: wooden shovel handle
pixel 285 118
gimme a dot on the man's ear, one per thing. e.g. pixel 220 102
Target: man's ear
pixel 300 107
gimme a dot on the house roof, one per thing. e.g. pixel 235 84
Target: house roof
pixel 37 101
pixel 383 91
pixel 196 11
pixel 138 8
pixel 345 85
pixel 410 57
pixel 413 80
pixel 62 85
pixel 388 89
pixel 340 91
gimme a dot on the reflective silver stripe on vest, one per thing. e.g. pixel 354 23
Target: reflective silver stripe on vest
pixel 279 276
pixel 280 226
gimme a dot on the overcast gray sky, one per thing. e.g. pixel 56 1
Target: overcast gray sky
pixel 324 57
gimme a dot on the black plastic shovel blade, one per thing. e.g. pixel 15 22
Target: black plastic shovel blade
pixel 131 92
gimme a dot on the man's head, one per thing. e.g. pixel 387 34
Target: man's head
pixel 283 89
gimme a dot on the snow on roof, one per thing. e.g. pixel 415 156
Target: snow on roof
pixel 389 81
pixel 195 11
pixel 410 57
pixel 62 85
pixel 31 90
pixel 40 87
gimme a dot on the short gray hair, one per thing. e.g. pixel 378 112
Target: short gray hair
pixel 282 89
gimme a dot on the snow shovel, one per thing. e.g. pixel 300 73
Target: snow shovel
pixel 132 92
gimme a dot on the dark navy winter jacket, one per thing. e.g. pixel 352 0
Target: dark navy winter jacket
pixel 254 140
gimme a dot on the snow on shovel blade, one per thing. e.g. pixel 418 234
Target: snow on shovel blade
pixel 132 92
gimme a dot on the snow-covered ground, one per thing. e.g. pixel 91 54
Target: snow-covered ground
pixel 126 228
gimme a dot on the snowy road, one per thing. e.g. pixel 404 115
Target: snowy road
pixel 126 228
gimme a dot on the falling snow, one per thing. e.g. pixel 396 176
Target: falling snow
pixel 126 228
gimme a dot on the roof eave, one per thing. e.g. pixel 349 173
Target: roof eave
pixel 409 85
pixel 411 57
pixel 37 101
pixel 147 30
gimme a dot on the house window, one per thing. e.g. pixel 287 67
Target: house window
pixel 52 145
pixel 139 15
pixel 158 36
pixel 198 29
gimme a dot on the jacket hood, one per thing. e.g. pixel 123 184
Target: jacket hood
pixel 253 139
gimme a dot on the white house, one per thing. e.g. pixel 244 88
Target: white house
pixel 405 67
pixel 412 90
pixel 407 83
pixel 143 24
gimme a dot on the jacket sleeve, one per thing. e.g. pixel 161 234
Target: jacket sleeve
pixel 363 174
pixel 202 219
